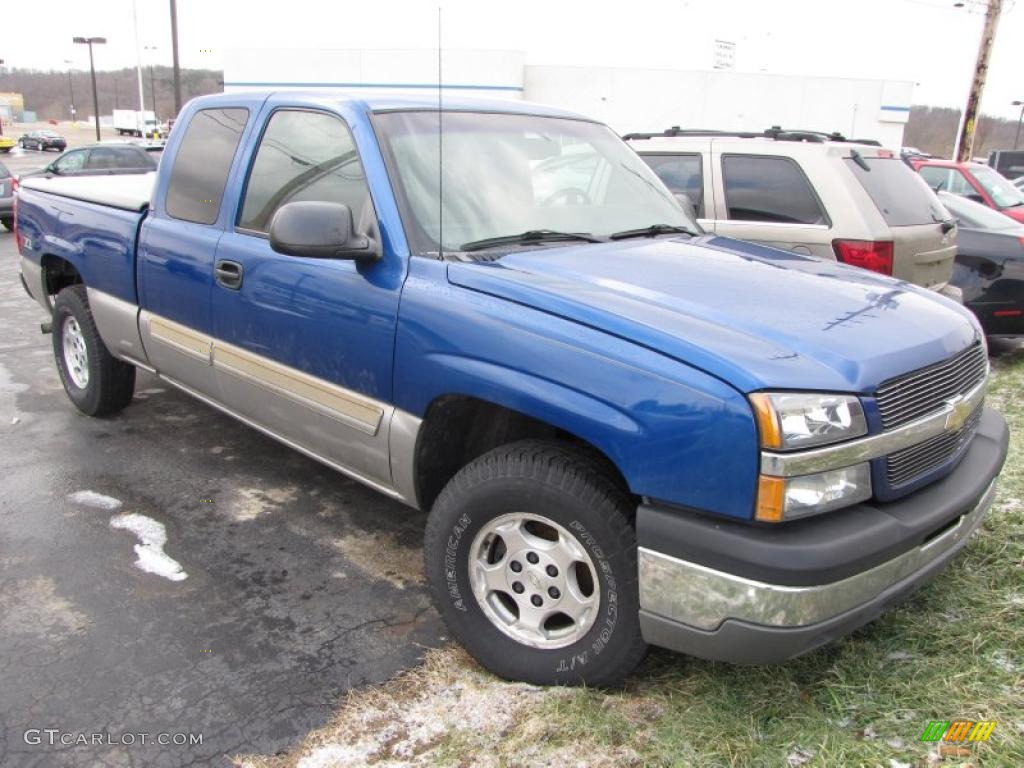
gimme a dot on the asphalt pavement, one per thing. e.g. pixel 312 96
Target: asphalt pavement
pixel 171 571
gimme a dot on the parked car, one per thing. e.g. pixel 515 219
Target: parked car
pixel 1009 162
pixel 976 182
pixel 6 144
pixel 43 140
pixel 989 265
pixel 626 431
pixel 100 159
pixel 811 193
pixel 1019 182
pixel 7 185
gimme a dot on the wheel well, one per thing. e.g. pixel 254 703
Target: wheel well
pixel 58 274
pixel 459 429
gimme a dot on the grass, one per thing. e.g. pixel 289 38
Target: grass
pixel 953 651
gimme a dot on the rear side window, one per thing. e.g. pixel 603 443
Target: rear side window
pixel 681 173
pixel 773 189
pixel 201 166
pixel 303 156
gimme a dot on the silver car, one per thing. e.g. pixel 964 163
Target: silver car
pixel 813 193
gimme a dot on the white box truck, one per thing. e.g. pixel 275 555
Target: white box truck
pixel 132 122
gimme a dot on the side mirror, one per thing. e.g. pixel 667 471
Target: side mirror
pixel 319 230
pixel 686 204
pixel 52 168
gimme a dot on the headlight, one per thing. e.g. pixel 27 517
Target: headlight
pixel 787 498
pixel 792 420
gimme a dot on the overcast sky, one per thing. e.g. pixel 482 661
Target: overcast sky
pixel 927 41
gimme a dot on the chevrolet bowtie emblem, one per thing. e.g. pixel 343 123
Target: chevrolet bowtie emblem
pixel 959 412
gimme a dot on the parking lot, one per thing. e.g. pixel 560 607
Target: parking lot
pixel 300 583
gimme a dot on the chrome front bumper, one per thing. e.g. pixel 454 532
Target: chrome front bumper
pixel 704 598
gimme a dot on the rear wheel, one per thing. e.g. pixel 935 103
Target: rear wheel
pixel 532 563
pixel 95 381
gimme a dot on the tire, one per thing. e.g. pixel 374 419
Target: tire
pixel 524 493
pixel 96 383
pixel 8 223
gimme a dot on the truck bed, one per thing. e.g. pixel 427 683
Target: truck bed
pixel 129 192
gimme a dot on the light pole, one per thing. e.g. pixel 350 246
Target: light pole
pixel 174 57
pixel 71 89
pixel 1 119
pixel 90 41
pixel 152 82
pixel 1017 137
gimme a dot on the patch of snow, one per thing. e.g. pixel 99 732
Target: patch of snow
pixel 93 499
pixel 896 742
pixel 150 549
pixel 900 656
pixel 251 503
pixel 799 756
pixel 898 764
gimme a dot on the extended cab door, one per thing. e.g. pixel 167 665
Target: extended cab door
pixel 178 243
pixel 304 346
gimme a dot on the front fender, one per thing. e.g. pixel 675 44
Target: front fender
pixel 675 433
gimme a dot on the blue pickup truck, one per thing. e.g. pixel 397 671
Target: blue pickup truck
pixel 626 431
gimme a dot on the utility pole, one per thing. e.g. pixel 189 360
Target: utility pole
pixel 1 119
pixel 71 88
pixel 1019 119
pixel 964 149
pixel 152 81
pixel 141 119
pixel 90 41
pixel 174 57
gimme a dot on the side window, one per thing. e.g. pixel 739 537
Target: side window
pixel 303 156
pixel 72 161
pixel 681 173
pixel 761 188
pixel 201 166
pixel 103 159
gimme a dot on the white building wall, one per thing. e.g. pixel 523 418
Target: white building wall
pixel 491 73
pixel 655 99
pixel 625 98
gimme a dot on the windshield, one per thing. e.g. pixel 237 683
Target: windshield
pixel 976 215
pixel 506 174
pixel 999 188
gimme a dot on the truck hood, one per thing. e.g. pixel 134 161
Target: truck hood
pixel 753 316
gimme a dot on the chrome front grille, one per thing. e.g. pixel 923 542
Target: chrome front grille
pixel 904 466
pixel 918 393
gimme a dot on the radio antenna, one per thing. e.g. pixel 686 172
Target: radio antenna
pixel 440 149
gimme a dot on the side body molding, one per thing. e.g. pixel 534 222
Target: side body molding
pixel 344 429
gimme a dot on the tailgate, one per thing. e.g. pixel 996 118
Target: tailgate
pixel 923 255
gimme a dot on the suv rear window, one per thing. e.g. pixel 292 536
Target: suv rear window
pixel 901 196
pixel 201 166
pixel 767 188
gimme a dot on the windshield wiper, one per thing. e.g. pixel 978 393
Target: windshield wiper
pixel 528 237
pixel 652 231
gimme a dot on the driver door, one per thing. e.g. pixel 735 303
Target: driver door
pixel 305 345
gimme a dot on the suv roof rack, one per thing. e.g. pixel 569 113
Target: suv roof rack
pixel 776 133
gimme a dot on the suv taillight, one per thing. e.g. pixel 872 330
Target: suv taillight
pixel 875 255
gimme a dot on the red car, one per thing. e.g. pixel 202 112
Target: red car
pixel 974 181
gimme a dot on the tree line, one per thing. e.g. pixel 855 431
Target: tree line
pixel 934 129
pixel 49 94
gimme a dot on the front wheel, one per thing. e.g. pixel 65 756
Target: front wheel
pixel 8 223
pixel 532 562
pixel 95 381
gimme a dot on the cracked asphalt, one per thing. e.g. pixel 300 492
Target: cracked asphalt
pixel 301 583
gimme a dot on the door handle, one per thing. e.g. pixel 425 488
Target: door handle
pixel 228 274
